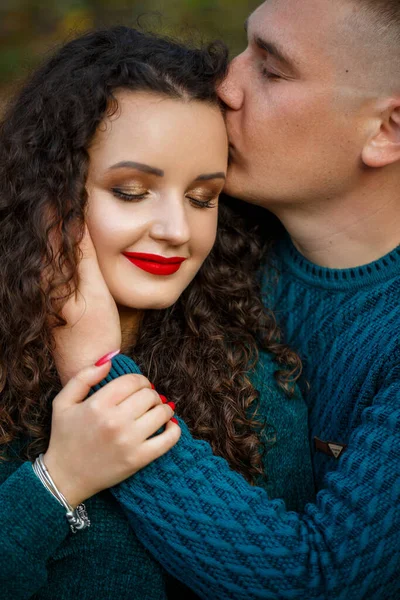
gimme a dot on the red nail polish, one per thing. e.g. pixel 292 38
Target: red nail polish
pixel 106 358
pixel 163 399
pixel 172 405
pixel 174 421
pixel 153 387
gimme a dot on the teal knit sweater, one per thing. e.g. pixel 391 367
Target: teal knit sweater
pixel 226 539
pixel 40 558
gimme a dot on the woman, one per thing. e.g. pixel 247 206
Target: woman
pixel 112 160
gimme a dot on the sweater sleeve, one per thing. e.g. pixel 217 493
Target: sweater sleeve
pixel 33 525
pixel 225 539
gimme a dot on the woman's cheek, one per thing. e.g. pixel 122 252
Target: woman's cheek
pixel 113 232
pixel 204 232
pixel 206 236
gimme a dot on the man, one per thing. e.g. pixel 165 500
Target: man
pixel 313 116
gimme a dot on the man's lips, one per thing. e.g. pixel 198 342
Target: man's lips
pixel 154 263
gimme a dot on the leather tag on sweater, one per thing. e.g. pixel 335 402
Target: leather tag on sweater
pixel 333 449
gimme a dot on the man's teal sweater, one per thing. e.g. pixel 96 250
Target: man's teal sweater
pixel 41 559
pixel 226 539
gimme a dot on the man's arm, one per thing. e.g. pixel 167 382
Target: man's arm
pixel 225 539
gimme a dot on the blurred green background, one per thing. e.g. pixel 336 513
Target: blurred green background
pixel 30 29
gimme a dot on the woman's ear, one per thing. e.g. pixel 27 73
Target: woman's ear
pixel 383 147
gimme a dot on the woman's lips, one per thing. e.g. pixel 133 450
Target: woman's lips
pixel 154 263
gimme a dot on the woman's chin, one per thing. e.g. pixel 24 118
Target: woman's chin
pixel 146 303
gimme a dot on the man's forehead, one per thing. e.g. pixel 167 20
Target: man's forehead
pixel 321 40
pixel 303 30
pixel 265 35
pixel 303 9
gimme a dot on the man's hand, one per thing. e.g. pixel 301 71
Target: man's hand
pixel 93 326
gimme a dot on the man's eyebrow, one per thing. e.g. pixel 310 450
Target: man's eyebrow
pixel 128 164
pixel 207 176
pixel 273 50
pixel 270 47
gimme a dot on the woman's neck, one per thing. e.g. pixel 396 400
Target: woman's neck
pixel 130 319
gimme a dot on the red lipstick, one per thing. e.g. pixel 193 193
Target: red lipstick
pixel 154 263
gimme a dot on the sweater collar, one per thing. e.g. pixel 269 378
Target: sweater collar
pixel 382 270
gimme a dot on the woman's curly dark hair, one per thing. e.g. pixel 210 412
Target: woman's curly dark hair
pixel 199 351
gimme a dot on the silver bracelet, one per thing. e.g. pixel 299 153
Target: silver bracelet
pixel 76 517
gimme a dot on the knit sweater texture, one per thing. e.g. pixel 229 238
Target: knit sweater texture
pixel 42 559
pixel 227 538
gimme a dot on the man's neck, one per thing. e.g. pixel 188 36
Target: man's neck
pixel 348 232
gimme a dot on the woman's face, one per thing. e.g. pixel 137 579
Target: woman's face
pixel 156 170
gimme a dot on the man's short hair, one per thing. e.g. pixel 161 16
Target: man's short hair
pixel 375 24
pixel 384 14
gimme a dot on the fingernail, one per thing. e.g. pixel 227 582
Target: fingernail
pixel 106 358
pixel 174 421
pixel 163 399
pixel 153 387
pixel 172 405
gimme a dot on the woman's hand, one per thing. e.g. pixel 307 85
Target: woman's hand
pixel 93 325
pixel 97 443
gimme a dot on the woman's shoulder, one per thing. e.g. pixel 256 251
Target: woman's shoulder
pixel 265 366
pixel 286 413
pixel 288 458
pixel 11 458
pixel 112 560
pixel 108 548
pixel 263 378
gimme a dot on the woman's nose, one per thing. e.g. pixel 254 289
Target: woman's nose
pixel 230 89
pixel 171 223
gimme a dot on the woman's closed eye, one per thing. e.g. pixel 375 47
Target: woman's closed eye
pixel 130 195
pixel 204 197
pixel 202 202
pixel 137 194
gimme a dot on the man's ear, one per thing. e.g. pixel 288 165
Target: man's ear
pixel 383 147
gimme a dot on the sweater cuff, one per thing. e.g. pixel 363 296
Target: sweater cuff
pixel 121 365
pixel 32 518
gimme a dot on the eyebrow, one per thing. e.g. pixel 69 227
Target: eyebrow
pixel 272 48
pixel 128 164
pixel 208 176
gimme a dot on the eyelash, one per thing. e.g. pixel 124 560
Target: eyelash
pixel 128 197
pixel 200 204
pixel 137 197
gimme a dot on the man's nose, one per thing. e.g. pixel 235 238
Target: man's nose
pixel 171 224
pixel 230 90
